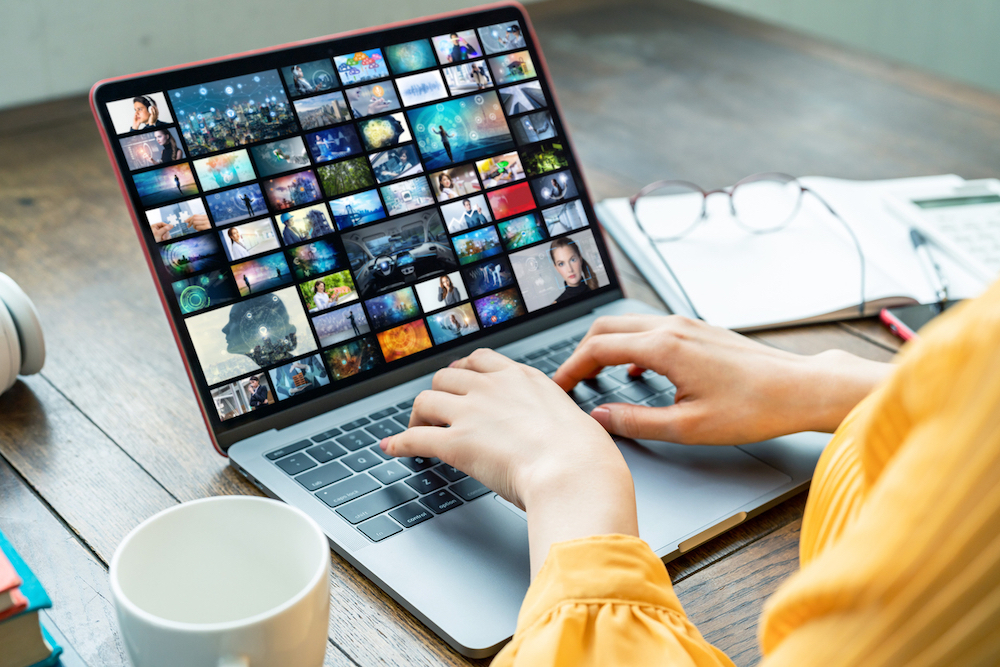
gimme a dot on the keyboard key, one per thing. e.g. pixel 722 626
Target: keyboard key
pixel 390 472
pixel 327 451
pixel 657 382
pixel 619 373
pixel 537 354
pixel 589 406
pixel 635 391
pixel 361 460
pixel 323 476
pixel 581 393
pixel 440 502
pixel 381 414
pixel 411 515
pixel 602 384
pixel 377 502
pixel 403 419
pixel 326 435
pixel 405 405
pixel 384 428
pixel 288 449
pixel 296 463
pixel 560 356
pixel 356 440
pixel 379 528
pixel 661 401
pixel 349 489
pixel 426 482
pixel 350 426
pixel 563 344
pixel 450 473
pixel 546 366
pixel 378 451
pixel 418 463
pixel 469 489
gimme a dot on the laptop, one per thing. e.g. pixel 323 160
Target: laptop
pixel 328 223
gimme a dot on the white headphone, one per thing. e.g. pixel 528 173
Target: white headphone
pixel 22 346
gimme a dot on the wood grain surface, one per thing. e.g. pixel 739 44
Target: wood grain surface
pixel 109 433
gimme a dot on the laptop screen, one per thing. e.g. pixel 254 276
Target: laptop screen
pixel 326 213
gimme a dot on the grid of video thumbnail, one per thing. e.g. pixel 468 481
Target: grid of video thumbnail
pixel 323 220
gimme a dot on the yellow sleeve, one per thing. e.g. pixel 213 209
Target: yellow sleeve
pixel 605 601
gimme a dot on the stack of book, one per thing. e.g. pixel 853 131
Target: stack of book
pixel 24 640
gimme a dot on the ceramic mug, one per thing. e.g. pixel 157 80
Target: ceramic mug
pixel 231 581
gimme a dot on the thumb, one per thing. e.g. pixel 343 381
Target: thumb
pixel 671 423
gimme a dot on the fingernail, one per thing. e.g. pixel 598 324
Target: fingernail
pixel 383 444
pixel 603 417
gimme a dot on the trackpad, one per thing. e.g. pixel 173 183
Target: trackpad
pixel 681 490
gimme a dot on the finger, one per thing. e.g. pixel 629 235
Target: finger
pixel 635 370
pixel 483 360
pixel 416 441
pixel 674 423
pixel 453 380
pixel 608 350
pixel 623 324
pixel 198 221
pixel 434 408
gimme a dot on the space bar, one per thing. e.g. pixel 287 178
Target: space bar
pixel 376 503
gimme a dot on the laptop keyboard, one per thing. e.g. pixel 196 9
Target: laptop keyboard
pixel 382 496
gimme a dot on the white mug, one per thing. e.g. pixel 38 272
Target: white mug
pixel 231 581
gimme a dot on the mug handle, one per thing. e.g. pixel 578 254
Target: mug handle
pixel 234 661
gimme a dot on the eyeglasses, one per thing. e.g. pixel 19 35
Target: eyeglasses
pixel 759 204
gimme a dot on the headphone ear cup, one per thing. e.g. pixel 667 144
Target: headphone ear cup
pixel 10 350
pixel 26 327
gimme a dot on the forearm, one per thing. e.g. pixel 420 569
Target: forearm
pixel 836 381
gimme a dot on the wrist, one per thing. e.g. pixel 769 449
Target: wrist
pixel 837 382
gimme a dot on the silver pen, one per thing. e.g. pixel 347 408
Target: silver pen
pixel 931 268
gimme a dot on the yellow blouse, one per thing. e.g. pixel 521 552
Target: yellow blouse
pixel 900 544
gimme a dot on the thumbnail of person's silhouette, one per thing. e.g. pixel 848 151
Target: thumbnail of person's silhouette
pixel 260 329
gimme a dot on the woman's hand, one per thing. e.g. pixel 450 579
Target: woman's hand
pixel 161 231
pixel 199 222
pixel 730 389
pixel 514 430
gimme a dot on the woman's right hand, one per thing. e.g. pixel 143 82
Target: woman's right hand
pixel 730 389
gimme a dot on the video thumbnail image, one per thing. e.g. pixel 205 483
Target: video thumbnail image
pixel 467 77
pixel 136 114
pixel 299 377
pixel 388 255
pixel 406 196
pixel 568 267
pixel 488 276
pixel 314 77
pixel 243 396
pixel 321 110
pixel 340 325
pixel 278 157
pixel 249 335
pixel 512 67
pixel 533 127
pixel 393 308
pixel 220 171
pixel 511 200
pixel 466 214
pixel 396 163
pixel 161 146
pixel 500 170
pixel 241 110
pixel 521 231
pixel 334 143
pixel 347 176
pixel 372 99
pixel 554 188
pixel 176 220
pixel 162 185
pixel 352 358
pixel 249 239
pixel 565 218
pixel 544 157
pixel 440 292
pixel 286 192
pixel 357 209
pixel 404 340
pixel 384 132
pixel 455 182
pixel 314 259
pixel 421 88
pixel 457 47
pixel 304 224
pixel 335 289
pixel 500 307
pixel 452 323
pixel 193 255
pixel 479 244
pixel 361 66
pixel 522 98
pixel 236 204
pixel 502 37
pixel 461 129
pixel 261 274
pixel 410 56
pixel 209 289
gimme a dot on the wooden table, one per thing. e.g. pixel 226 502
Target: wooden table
pixel 109 434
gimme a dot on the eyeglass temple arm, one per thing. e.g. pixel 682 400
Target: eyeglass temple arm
pixel 854 238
